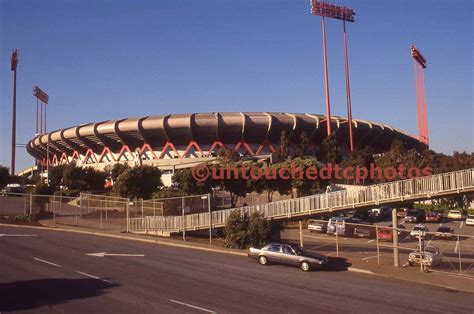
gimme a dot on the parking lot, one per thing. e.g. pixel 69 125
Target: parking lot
pixel 457 252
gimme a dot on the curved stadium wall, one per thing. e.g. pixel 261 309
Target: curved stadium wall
pixel 182 140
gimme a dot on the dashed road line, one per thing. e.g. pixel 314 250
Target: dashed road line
pixel 92 276
pixel 370 241
pixel 462 223
pixel 46 262
pixel 192 306
pixel 366 258
pixel 457 246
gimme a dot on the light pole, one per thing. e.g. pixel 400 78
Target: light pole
pixel 419 63
pixel 345 14
pixel 14 63
pixel 43 98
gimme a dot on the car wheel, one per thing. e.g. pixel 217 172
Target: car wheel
pixel 263 260
pixel 305 266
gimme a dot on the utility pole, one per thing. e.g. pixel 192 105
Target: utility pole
pixel 14 63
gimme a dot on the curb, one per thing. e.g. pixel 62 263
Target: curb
pixel 362 271
pixel 128 238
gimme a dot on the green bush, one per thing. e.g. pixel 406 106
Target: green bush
pixel 24 217
pixel 243 231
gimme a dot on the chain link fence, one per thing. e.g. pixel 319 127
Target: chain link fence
pixel 85 210
pixel 436 247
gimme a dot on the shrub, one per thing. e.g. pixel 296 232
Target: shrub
pixel 242 230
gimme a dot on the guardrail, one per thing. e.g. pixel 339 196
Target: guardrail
pixel 438 185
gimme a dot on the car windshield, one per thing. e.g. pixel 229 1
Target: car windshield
pixel 297 249
pixel 431 249
pixel 454 212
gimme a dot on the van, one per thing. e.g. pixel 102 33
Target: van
pixel 341 225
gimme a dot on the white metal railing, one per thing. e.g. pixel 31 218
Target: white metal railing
pixel 397 191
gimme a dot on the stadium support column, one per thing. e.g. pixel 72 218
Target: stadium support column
pixel 326 81
pixel 348 90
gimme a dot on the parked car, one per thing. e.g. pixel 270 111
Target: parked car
pixel 364 230
pixel 470 220
pixel 454 214
pixel 400 228
pixel 380 213
pixel 288 254
pixel 415 215
pixel 317 226
pixel 434 217
pixel 431 256
pixel 385 234
pixel 418 230
pixel 444 232
pixel 402 212
pixel 341 225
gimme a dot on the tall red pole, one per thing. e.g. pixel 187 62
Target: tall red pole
pixel 418 109
pixel 45 106
pixel 14 125
pixel 348 90
pixel 326 82
pixel 41 117
pixel 36 116
pixel 423 104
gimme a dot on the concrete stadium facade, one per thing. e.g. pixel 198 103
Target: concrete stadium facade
pixel 181 140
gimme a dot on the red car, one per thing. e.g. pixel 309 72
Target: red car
pixel 385 234
pixel 434 217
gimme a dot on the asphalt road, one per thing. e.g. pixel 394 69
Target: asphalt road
pixel 51 272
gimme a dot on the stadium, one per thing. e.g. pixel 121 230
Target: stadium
pixel 182 140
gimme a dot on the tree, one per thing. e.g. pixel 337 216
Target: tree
pixel 138 182
pixel 242 230
pixel 4 176
pixel 56 175
pixel 74 177
pixel 41 198
pixel 328 151
pixel 275 182
pixel 185 181
pixel 304 145
pixel 117 170
pixel 95 179
pixel 282 152
pixel 302 184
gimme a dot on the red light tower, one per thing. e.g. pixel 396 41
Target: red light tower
pixel 419 63
pixel 14 63
pixel 345 14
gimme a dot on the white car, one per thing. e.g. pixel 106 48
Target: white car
pixel 470 220
pixel 418 230
pixel 431 256
pixel 454 214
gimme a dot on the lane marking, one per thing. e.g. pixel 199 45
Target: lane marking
pixel 92 276
pixel 102 254
pixel 365 258
pixel 457 245
pixel 46 262
pixel 370 241
pixel 462 223
pixel 192 306
pixel 17 235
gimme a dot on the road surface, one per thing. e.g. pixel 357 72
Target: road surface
pixel 51 271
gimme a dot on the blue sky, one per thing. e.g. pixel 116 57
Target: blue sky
pixel 105 59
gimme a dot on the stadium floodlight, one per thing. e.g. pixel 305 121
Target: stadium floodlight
pixel 419 63
pixel 333 11
pixel 338 12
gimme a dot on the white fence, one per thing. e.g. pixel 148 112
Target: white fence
pixel 444 184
